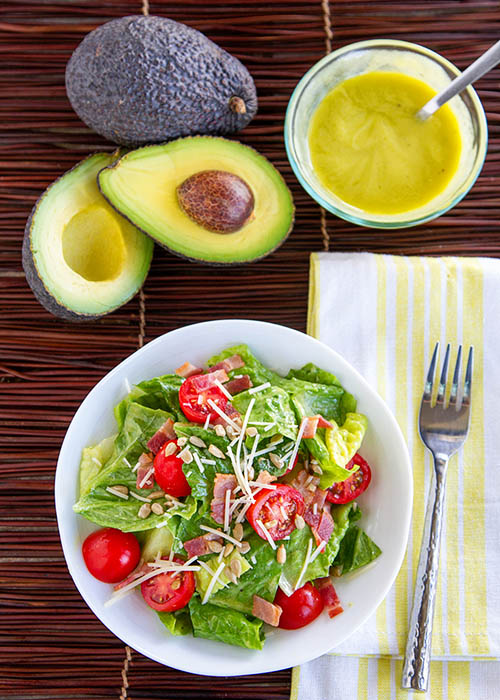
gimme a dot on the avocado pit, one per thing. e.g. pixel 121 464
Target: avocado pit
pixel 92 244
pixel 217 200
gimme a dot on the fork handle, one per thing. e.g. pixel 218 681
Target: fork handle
pixel 418 646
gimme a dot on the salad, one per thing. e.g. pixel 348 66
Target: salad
pixel 228 497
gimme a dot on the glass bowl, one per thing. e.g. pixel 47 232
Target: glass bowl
pixel 395 56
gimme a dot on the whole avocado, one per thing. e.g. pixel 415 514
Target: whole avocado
pixel 145 79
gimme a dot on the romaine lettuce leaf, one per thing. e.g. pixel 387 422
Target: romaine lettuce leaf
pixel 225 625
pixel 93 460
pixel 159 392
pixel 297 547
pixel 271 406
pixel 356 550
pixel 107 510
pixel 255 369
pixel 203 578
pixel 343 442
pixel 314 374
pixel 178 622
pixel 262 579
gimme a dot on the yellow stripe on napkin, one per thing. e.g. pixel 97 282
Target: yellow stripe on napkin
pixel 419 301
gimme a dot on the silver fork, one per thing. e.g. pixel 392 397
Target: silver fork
pixel 443 428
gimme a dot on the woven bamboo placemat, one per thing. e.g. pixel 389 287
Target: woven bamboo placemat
pixel 51 645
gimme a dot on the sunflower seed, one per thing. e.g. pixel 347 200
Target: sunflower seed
pixel 144 511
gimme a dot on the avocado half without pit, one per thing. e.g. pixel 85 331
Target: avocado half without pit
pixel 81 258
pixel 204 198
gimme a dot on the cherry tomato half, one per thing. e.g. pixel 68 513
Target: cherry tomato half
pixel 170 591
pixel 276 510
pixel 194 403
pixel 351 488
pixel 168 473
pixel 299 609
pixel 110 554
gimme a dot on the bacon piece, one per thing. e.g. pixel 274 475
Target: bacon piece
pixel 240 384
pixel 199 546
pixel 163 435
pixel 233 362
pixel 307 485
pixel 321 523
pixel 187 370
pixel 141 569
pixel 266 611
pixel 312 423
pixel 329 596
pixel 222 483
pixel 202 382
pixel 265 478
pixel 145 465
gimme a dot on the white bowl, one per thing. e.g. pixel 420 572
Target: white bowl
pixel 386 505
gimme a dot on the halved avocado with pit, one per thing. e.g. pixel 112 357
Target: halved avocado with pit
pixel 81 258
pixel 205 198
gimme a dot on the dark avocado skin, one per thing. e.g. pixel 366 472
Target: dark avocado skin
pixel 138 80
pixel 211 263
pixel 43 296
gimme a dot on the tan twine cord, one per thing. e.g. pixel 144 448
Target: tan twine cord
pixel 327 24
pixel 140 343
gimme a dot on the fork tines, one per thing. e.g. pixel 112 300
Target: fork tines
pixel 429 383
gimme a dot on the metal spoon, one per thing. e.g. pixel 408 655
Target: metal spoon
pixel 476 70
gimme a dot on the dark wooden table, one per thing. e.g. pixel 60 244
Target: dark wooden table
pixel 51 645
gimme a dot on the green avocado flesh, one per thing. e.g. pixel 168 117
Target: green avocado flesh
pixel 143 184
pixel 81 258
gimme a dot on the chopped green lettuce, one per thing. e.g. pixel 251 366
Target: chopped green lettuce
pixel 343 442
pixel 255 369
pixel 225 625
pixel 93 460
pixel 262 579
pixel 159 540
pixel 108 510
pixel 272 406
pixel 314 374
pixel 160 392
pixel 178 622
pixel 203 577
pixel 356 550
pixel 298 544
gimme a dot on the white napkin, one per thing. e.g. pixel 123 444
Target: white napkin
pixel 384 315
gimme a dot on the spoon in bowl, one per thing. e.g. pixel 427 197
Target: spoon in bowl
pixel 476 70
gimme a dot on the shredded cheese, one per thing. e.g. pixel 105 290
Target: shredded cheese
pixel 299 438
pixel 164 567
pixel 317 551
pixel 240 441
pixel 134 469
pixel 146 477
pixel 261 387
pixel 304 565
pixel 124 459
pixel 111 490
pixel 224 390
pixel 198 462
pixel 261 486
pixel 207 422
pixel 212 583
pixel 139 498
pixel 228 420
pixel 238 473
pixel 268 449
pixel 227 497
pixel 266 533
pixel 224 535
pixel 208 461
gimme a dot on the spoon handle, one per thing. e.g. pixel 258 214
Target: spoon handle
pixel 476 70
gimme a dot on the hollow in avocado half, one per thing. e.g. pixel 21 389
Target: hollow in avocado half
pixel 204 198
pixel 81 258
